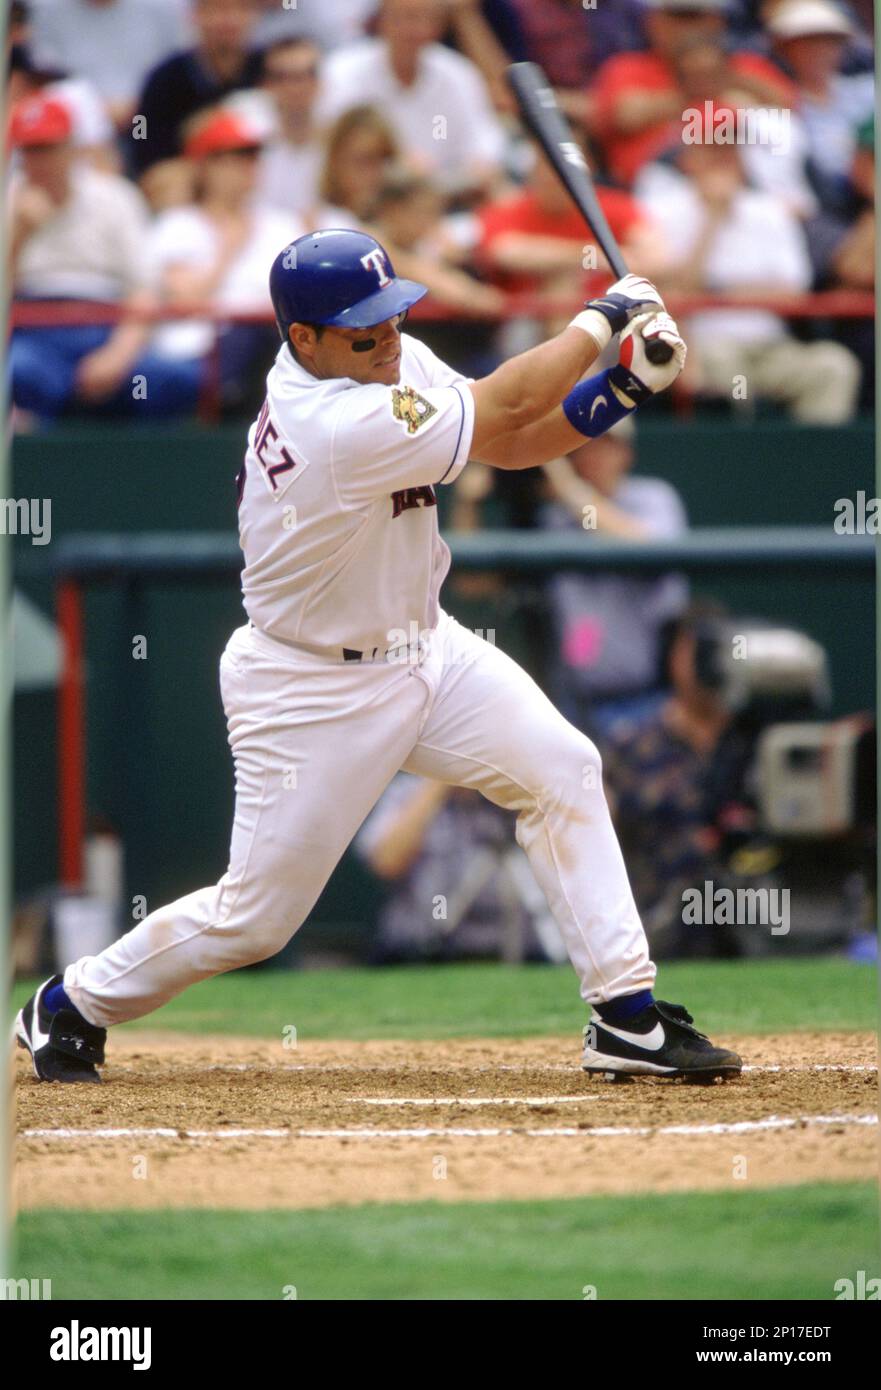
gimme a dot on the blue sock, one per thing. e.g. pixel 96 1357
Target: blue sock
pixel 55 998
pixel 625 1006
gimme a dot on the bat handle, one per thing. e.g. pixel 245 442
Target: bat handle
pixel 658 352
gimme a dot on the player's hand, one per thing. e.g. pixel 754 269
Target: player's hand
pixel 636 377
pixel 626 298
pixel 611 312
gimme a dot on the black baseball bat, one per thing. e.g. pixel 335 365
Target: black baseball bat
pixel 545 121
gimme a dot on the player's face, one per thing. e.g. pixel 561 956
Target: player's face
pixel 344 352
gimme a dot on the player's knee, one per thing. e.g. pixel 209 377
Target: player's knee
pixel 268 936
pixel 572 767
pixel 250 936
pixel 590 764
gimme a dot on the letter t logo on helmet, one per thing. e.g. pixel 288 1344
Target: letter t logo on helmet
pixel 376 260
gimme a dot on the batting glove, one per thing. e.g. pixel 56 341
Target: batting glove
pixel 612 311
pixel 635 378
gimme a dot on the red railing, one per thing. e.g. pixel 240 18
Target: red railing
pixel 829 304
pixel 834 304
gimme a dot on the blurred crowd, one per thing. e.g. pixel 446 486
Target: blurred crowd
pixel 162 151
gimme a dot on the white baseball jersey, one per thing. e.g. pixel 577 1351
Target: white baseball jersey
pixel 337 508
pixel 339 529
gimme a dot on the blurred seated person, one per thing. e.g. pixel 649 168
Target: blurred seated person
pixel 329 25
pixel 359 150
pixel 193 80
pixel 727 238
pixel 169 184
pixel 490 35
pixel 92 132
pixel 216 252
pixel 19 30
pixel 609 627
pixel 291 159
pixel 850 264
pixel 570 40
pixel 408 220
pixel 844 243
pixel 811 38
pixel 460 887
pixel 666 780
pixel 535 241
pixel 78 234
pixel 111 44
pixel 436 100
pixel 639 98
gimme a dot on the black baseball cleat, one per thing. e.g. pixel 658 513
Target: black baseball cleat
pixel 658 1041
pixel 64 1046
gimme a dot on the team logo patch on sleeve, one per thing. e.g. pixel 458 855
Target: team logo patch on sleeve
pixel 411 409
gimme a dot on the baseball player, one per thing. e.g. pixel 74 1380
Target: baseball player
pixel 349 670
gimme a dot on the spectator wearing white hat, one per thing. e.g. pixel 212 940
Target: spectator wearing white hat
pixel 811 38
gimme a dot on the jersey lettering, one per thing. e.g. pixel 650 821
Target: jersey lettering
pixel 265 435
pixel 412 497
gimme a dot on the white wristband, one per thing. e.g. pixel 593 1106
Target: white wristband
pixel 596 325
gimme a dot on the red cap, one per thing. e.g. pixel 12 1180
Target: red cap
pixel 225 130
pixel 39 120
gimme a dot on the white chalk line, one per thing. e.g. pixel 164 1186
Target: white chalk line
pixel 773 1122
pixel 478 1100
pixel 504 1066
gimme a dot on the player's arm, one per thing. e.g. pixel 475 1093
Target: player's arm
pixel 595 405
pixel 537 443
pixel 525 389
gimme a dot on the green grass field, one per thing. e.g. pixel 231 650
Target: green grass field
pixel 786 1243
pixel 497 1001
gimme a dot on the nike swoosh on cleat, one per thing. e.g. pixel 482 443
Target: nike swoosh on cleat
pixel 652 1041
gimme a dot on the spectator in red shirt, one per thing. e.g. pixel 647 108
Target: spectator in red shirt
pixel 536 240
pixel 639 98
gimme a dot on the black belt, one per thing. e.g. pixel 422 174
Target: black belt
pixel 399 650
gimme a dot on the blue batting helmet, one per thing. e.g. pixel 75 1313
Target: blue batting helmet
pixel 338 277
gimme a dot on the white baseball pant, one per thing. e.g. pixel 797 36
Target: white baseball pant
pixel 315 744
